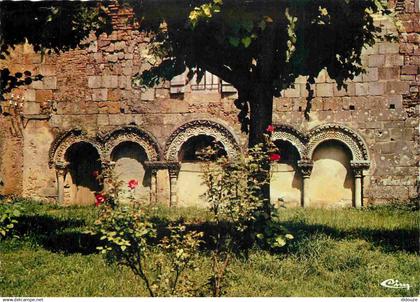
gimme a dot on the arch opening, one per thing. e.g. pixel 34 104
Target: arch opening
pixel 129 158
pixel 190 178
pixel 332 182
pixel 80 183
pixel 193 149
pixel 286 180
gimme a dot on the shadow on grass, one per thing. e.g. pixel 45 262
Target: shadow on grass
pixel 56 234
pixel 65 235
pixel 388 240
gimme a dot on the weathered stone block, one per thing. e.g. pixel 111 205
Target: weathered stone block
pixel 100 94
pixel 410 69
pixel 361 88
pixel 371 75
pixel 37 84
pixel 47 70
pixel 376 88
pixel 291 92
pixel 31 108
pixel 120 45
pixel 396 87
pixel 43 95
pixel 350 91
pixel 103 120
pixel 324 89
pixel 29 95
pixel 49 83
pixel 116 119
pixel 103 43
pixel 389 73
pixel 394 60
pixel 110 81
pixel 127 71
pixel 148 94
pixel 332 104
pixel 112 58
pixel 94 81
pixel 389 48
pixel 376 60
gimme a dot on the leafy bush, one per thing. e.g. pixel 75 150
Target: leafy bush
pixel 236 199
pixel 128 235
pixel 10 210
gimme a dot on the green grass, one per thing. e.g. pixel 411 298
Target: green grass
pixel 344 252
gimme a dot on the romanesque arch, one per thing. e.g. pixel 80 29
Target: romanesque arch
pixel 338 155
pixel 132 134
pixel 201 127
pixel 286 179
pixel 290 134
pixel 75 155
pixel 186 182
pixel 346 135
pixel 65 140
pixel 129 148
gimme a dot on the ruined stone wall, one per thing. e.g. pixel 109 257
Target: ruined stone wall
pixel 90 89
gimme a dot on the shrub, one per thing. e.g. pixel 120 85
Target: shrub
pixel 10 210
pixel 128 234
pixel 242 215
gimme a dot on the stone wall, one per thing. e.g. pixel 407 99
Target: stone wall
pixel 89 90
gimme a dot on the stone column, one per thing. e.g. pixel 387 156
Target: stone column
pixel 107 169
pixel 153 185
pixel 358 189
pixel 61 171
pixel 306 170
pixel 173 179
pixel 358 167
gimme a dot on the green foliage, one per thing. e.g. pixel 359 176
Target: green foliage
pixel 341 252
pixel 9 213
pixel 128 238
pixel 51 26
pixel 241 212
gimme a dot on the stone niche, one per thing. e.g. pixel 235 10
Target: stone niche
pixel 80 183
pixel 332 182
pixel 129 161
pixel 191 187
pixel 286 180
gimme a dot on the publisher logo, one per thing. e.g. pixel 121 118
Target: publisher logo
pixel 393 283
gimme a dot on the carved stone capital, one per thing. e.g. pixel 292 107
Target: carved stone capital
pixel 359 166
pixel 162 165
pixel 107 164
pixel 305 167
pixel 61 168
pixel 174 169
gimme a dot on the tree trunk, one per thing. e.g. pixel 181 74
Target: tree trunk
pixel 261 115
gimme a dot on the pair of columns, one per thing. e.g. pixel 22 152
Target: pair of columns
pixel 173 171
pixel 357 167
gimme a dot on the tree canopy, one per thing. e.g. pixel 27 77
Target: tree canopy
pixel 49 26
pixel 260 47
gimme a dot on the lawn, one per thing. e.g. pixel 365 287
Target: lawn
pixel 343 252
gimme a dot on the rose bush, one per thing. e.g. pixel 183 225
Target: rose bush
pixel 128 238
pixel 238 206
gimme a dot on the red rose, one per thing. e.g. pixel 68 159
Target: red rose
pixel 270 129
pixel 95 173
pixel 100 199
pixel 132 184
pixel 275 157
